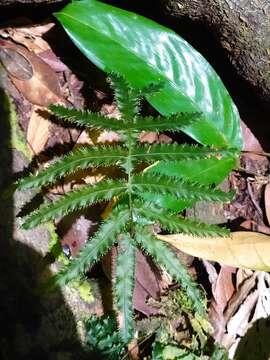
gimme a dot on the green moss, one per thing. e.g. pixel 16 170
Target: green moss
pixel 17 140
pixel 55 248
pixel 84 289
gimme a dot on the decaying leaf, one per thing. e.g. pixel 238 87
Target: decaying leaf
pixel 29 36
pixel 148 282
pixel 251 143
pixel 267 202
pixel 38 130
pixel 16 64
pixel 222 290
pixel 74 231
pixel 249 304
pixel 239 323
pixel 43 87
pixel 241 249
pixel 253 226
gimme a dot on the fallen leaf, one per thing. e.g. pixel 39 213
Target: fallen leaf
pixel 222 291
pixel 148 137
pixel 38 130
pixel 262 309
pixel 239 297
pixel 74 231
pixel 16 64
pixel 267 201
pixel 147 281
pixel 251 143
pixel 108 136
pixel 252 225
pixel 241 249
pixel 238 325
pixel 241 276
pixel 248 305
pixel 30 36
pixel 52 60
pixel 43 87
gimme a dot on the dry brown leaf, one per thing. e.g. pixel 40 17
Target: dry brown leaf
pixel 38 130
pixel 262 309
pixel 239 297
pixel 238 325
pixel 253 226
pixel 222 290
pixel 74 231
pixel 242 249
pixel 148 280
pixel 108 136
pixel 52 60
pixel 246 307
pixel 251 143
pixel 43 87
pixel 148 137
pixel 241 276
pixel 267 202
pixel 30 37
pixel 16 64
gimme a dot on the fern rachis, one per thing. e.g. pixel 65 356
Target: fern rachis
pixel 125 226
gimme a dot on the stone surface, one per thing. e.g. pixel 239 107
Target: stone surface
pixel 33 324
pixel 242 27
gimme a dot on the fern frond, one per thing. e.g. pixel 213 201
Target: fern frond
pixel 166 258
pixel 174 224
pixel 177 152
pixel 86 119
pixel 95 248
pixel 93 120
pixel 173 122
pixel 75 200
pixel 127 98
pixel 79 159
pixel 171 186
pixel 124 285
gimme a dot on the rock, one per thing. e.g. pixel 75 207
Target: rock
pixel 242 28
pixel 34 324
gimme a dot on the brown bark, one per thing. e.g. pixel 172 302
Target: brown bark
pixel 243 30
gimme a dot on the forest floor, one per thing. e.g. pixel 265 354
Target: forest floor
pixel 40 66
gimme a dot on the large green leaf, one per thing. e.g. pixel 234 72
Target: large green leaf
pixel 146 52
pixel 203 171
pixel 120 41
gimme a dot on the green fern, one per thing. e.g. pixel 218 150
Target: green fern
pixel 125 226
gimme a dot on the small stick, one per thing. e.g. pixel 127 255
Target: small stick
pixel 254 201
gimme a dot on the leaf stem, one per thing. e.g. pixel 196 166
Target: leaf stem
pixel 129 174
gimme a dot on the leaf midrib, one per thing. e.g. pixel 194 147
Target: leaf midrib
pixel 221 135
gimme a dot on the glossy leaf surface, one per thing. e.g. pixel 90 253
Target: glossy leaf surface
pixel 119 41
pixel 123 42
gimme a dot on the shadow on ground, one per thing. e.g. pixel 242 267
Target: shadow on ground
pixel 33 325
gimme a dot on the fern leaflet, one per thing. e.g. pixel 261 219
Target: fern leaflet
pixel 124 285
pixel 86 119
pixel 127 98
pixel 177 224
pixel 80 159
pixel 75 200
pixel 178 188
pixel 165 257
pixel 177 152
pixel 102 241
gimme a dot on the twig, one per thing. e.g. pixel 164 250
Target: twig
pixel 254 201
